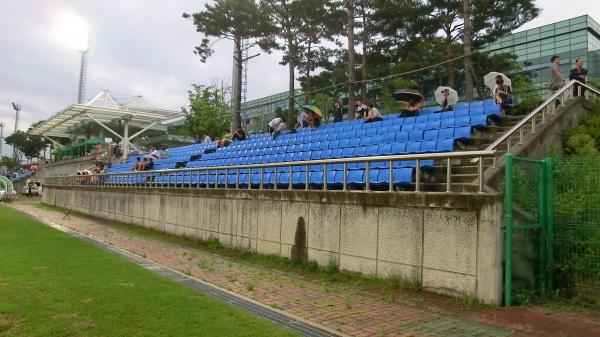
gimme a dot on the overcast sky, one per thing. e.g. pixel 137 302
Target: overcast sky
pixel 138 47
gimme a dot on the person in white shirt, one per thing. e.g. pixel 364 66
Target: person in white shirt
pixel 302 120
pixel 153 153
pixel 206 139
pixel 373 114
pixel 276 125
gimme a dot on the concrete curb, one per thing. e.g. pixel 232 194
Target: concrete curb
pixel 279 317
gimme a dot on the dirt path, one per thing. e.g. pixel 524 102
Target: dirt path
pixel 351 309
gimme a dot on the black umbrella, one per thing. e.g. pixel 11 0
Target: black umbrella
pixel 407 95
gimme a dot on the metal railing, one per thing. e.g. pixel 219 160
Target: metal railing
pixel 203 175
pixel 541 114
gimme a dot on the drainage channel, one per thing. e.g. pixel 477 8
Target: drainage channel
pixel 296 325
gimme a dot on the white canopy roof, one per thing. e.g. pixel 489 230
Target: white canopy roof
pixel 102 109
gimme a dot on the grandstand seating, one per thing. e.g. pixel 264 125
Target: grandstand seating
pixel 429 132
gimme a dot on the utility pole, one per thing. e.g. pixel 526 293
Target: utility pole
pixel 350 35
pixel 467 33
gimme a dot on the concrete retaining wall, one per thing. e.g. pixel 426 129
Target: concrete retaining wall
pixel 450 243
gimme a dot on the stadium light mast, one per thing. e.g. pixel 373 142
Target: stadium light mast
pixel 17 108
pixel 72 31
pixel 1 137
pixel 82 76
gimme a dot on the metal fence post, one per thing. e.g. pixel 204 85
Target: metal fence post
pixel 508 197
pixel 542 220
pixel 549 183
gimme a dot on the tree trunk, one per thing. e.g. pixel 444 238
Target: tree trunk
pixel 350 36
pixel 291 68
pixel 236 96
pixel 365 41
pixel 467 50
pixel 307 73
pixel 450 64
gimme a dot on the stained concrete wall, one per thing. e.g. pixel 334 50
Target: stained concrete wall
pixel 451 243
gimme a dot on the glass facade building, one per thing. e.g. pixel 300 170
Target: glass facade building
pixel 258 112
pixel 569 39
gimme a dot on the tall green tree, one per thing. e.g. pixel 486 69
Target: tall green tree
pixel 208 112
pixel 287 19
pixel 350 9
pixel 321 21
pixel 235 20
pixel 29 145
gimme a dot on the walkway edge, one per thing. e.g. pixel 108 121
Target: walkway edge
pixel 294 322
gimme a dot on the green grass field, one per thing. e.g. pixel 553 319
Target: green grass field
pixel 52 284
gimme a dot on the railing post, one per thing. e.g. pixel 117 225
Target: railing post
pixel 508 198
pixel 290 187
pixel 391 175
pixel 307 181
pixel 249 178
pixel 345 181
pixel 367 176
pixel 276 179
pixel 226 178
pixel 325 177
pixel 533 124
pixel 521 135
pixel 260 185
pixel 418 176
pixel 448 175
pixel 480 174
pixel 237 179
pixel 217 178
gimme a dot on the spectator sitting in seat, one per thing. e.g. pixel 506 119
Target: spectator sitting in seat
pixel 314 120
pixel 446 105
pixel 206 139
pixel 225 140
pixel 164 154
pixel 301 120
pixel 239 134
pixel 503 95
pixel 149 165
pixel 373 114
pixel 138 164
pixel 153 153
pixel 276 125
pixel 361 109
pixel 413 108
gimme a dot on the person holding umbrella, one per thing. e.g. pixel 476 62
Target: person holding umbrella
pixel 501 90
pixel 314 115
pixel 446 97
pixel 412 99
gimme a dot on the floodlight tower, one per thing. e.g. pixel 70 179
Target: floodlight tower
pixel 83 73
pixel 1 137
pixel 17 108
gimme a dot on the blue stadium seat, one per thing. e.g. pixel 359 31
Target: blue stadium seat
pixel 445 145
pixel 430 134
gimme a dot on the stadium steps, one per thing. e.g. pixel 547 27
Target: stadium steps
pixel 464 172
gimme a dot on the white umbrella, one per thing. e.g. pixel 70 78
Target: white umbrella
pixel 452 96
pixel 490 80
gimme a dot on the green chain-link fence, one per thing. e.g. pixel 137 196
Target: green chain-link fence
pixel 552 228
pixel 527 253
pixel 577 226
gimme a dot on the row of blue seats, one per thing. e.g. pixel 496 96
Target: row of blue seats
pixel 350 142
pixel 444 145
pixel 335 179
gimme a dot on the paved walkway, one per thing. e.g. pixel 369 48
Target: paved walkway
pixel 350 309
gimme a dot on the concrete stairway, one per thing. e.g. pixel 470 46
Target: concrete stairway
pixel 464 171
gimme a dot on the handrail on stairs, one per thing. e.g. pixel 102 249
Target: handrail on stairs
pixel 548 107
